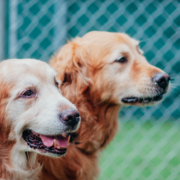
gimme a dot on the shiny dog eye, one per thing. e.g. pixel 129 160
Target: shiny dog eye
pixel 28 93
pixel 56 84
pixel 121 59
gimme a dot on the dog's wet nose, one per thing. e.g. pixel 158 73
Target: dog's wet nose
pixel 162 80
pixel 70 117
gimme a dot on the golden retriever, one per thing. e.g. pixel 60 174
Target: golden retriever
pixel 34 118
pixel 101 72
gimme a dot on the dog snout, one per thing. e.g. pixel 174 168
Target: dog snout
pixel 162 80
pixel 70 117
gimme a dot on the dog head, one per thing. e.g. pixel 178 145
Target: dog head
pixel 112 67
pixel 35 117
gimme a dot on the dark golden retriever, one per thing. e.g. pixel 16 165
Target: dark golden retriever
pixel 100 72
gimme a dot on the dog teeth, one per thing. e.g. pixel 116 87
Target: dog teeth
pixel 58 147
pixel 69 138
pixel 63 134
pixel 55 143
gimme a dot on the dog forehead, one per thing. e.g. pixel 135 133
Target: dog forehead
pixel 103 43
pixel 15 70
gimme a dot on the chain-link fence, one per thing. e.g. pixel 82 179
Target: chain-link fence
pixel 148 146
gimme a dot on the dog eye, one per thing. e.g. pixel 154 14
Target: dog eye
pixel 121 59
pixel 28 93
pixel 56 84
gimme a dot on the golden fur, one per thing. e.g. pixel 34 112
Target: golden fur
pixel 95 83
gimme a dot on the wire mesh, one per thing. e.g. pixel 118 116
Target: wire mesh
pixel 147 147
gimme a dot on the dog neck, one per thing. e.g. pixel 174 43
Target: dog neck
pixel 20 165
pixel 100 128
pixel 109 118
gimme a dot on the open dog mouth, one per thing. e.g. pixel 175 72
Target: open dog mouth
pixel 54 144
pixel 142 99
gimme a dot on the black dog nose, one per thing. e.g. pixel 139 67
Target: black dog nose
pixel 162 80
pixel 70 117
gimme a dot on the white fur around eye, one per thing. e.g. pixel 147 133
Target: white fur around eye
pixel 140 50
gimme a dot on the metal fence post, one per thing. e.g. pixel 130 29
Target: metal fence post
pixel 2 29
pixel 12 44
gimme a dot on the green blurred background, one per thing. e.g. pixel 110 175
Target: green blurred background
pixel 147 145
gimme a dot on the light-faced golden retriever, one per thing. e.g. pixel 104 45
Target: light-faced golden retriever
pixel 34 118
pixel 100 72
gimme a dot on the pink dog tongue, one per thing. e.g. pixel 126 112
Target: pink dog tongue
pixel 49 141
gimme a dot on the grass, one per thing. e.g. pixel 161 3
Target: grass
pixel 149 151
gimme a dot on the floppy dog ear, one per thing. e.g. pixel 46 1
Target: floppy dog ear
pixel 71 64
